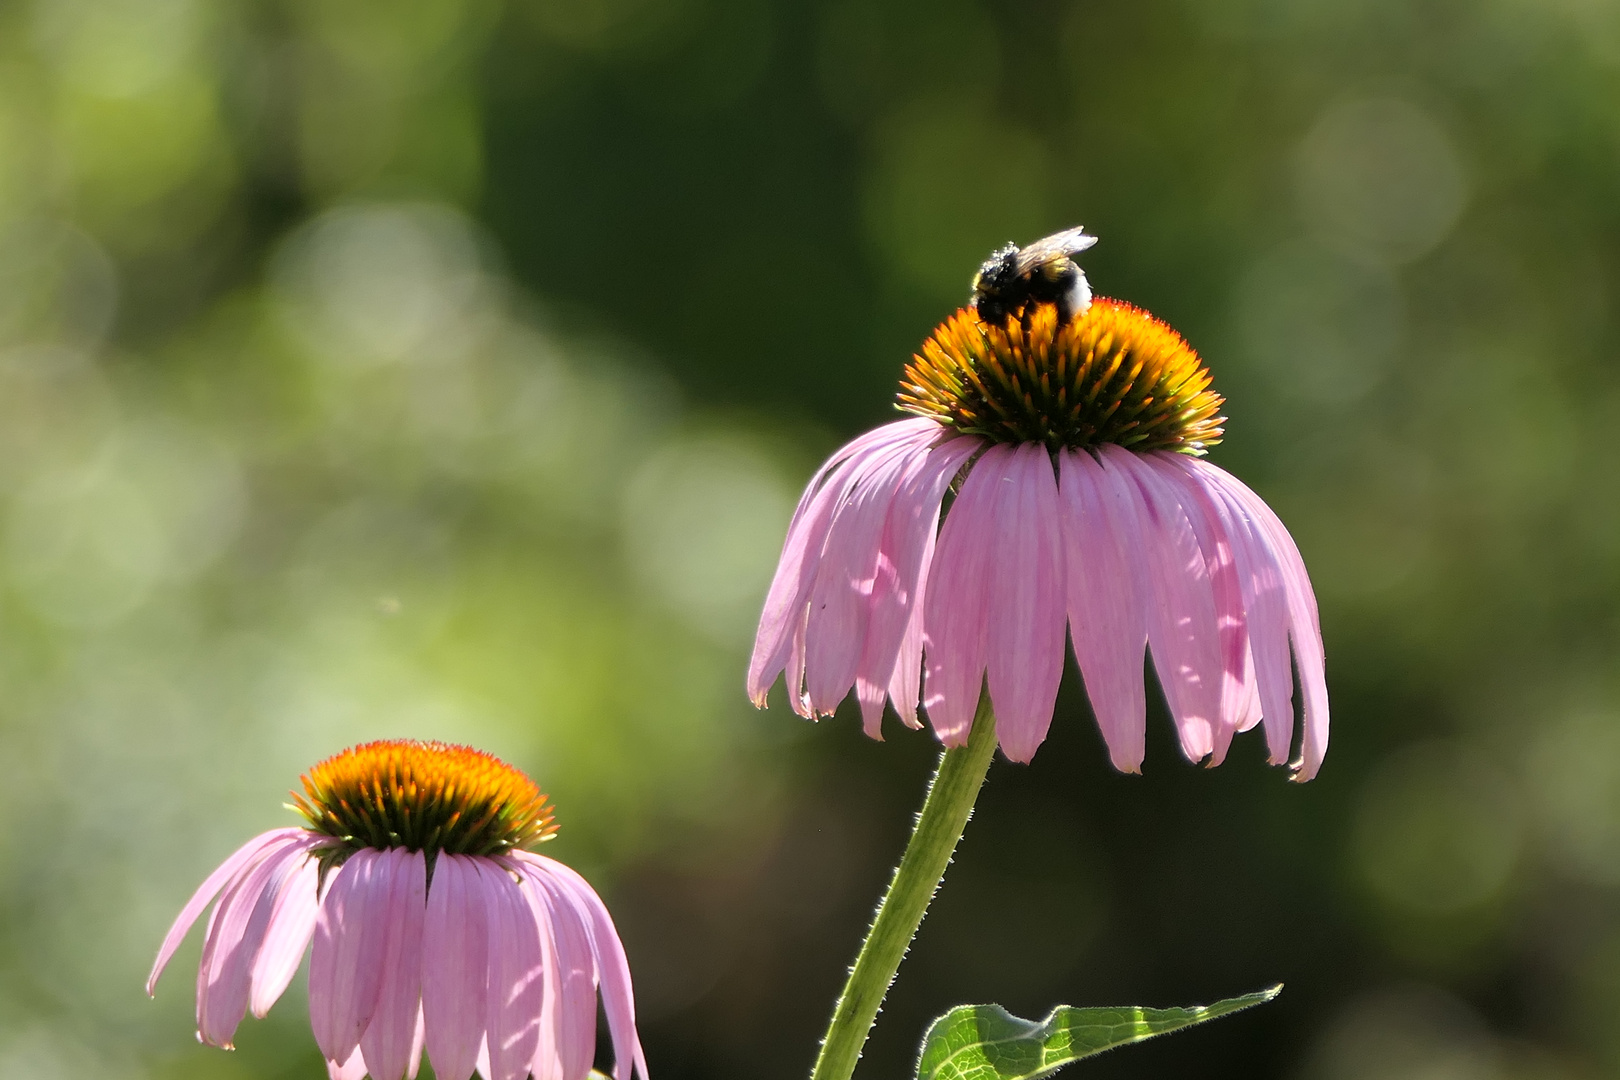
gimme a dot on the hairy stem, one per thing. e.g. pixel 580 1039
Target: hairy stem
pixel 944 815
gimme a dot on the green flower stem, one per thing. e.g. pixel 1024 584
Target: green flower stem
pixel 944 815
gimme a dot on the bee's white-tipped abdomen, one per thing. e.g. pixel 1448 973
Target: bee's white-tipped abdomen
pixel 1079 298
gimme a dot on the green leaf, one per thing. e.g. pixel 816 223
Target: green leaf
pixel 986 1042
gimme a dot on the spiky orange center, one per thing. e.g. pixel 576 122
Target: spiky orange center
pixel 424 796
pixel 1114 374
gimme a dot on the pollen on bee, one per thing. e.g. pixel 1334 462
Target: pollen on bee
pixel 1112 374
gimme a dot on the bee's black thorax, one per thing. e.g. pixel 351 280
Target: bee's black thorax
pixel 1000 291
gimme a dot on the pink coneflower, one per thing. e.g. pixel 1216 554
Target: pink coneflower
pixel 1074 450
pixel 433 926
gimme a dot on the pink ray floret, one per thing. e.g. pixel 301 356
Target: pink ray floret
pixel 1133 552
pixel 494 965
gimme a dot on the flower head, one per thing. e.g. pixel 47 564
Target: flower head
pixel 1073 448
pixel 1113 374
pixel 434 927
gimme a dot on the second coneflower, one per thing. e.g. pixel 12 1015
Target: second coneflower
pixel 1049 485
pixel 1072 434
pixel 434 927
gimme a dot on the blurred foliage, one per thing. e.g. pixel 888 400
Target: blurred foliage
pixel 449 368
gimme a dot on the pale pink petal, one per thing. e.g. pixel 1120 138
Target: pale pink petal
pixel 352 1069
pixel 781 624
pixel 346 965
pixel 840 599
pixel 785 601
pixel 1107 603
pixel 543 1063
pixel 516 977
pixel 387 1041
pixel 869 696
pixel 1235 675
pixel 1025 602
pixel 905 685
pixel 571 1000
pixel 234 939
pixel 955 619
pixel 852 476
pixel 547 1062
pixel 891 659
pixel 906 431
pixel 1304 621
pixel 291 925
pixel 1248 710
pixel 1266 610
pixel 1182 632
pixel 222 943
pixel 418 1044
pixel 455 965
pixel 243 856
pixel 613 969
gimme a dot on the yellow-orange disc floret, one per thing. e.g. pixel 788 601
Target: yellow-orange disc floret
pixel 1114 374
pixel 424 796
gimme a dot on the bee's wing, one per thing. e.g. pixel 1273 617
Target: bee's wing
pixel 1057 246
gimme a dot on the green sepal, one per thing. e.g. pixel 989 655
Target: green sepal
pixel 986 1042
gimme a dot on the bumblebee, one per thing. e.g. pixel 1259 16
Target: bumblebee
pixel 1014 277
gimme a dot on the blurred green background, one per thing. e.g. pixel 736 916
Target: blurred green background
pixel 449 368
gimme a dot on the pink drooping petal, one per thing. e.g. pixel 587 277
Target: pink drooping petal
pixel 613 969
pixel 571 1002
pixel 840 599
pixel 222 943
pixel 547 1062
pixel 897 432
pixel 292 922
pixel 346 964
pixel 1304 622
pixel 796 569
pixel 388 1040
pixel 516 977
pixel 1025 603
pixel 354 1068
pixel 1266 610
pixel 235 936
pixel 781 624
pixel 455 965
pixel 869 697
pixel 956 605
pixel 889 598
pixel 905 685
pixel 851 477
pixel 1234 678
pixel 1182 631
pixel 243 856
pixel 1248 710
pixel 418 1044
pixel 1106 602
pixel 891 660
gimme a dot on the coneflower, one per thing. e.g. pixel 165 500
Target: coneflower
pixel 1081 501
pixel 1050 485
pixel 434 925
